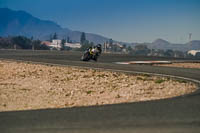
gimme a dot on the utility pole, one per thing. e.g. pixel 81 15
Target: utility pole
pixel 105 47
pixel 190 37
pixel 15 46
pixel 33 47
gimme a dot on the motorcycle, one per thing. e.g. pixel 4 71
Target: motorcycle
pixel 91 54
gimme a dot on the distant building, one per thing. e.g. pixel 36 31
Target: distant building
pixel 193 52
pixel 118 44
pixel 73 45
pixel 56 44
pixel 47 43
pixel 114 47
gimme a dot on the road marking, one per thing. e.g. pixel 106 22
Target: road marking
pixel 144 62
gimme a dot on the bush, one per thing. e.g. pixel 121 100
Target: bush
pixel 159 81
pixel 22 42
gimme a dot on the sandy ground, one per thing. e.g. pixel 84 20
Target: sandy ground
pixel 26 86
pixel 184 65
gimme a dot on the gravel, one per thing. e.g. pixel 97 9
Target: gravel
pixel 25 86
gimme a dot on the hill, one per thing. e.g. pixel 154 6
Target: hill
pixel 16 23
pixel 165 45
pixel 22 23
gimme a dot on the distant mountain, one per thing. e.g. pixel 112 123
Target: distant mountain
pixel 165 45
pixel 75 35
pixel 160 42
pixel 15 23
pixel 22 23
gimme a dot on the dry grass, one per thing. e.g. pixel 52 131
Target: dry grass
pixel 29 86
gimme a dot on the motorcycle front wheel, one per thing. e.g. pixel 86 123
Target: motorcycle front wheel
pixel 85 57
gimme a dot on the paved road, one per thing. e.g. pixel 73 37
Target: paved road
pixel 181 114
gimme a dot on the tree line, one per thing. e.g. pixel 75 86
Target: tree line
pixel 21 42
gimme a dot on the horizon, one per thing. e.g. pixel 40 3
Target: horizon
pixel 125 21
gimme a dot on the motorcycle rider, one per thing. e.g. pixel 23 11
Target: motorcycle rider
pixel 98 47
pixel 95 51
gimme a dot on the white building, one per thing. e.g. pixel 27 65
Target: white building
pixel 193 52
pixel 73 45
pixel 56 44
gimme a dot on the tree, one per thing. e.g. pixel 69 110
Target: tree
pixel 160 52
pixel 129 49
pixel 50 38
pixel 38 46
pixel 141 50
pixel 179 54
pixel 63 44
pixel 86 45
pixel 83 38
pixel 22 42
pixel 124 46
pixel 31 38
pixel 110 42
pixel 68 40
pixel 6 43
pixel 55 36
pixel 169 53
pixel 141 47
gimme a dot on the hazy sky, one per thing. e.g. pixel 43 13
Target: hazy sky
pixel 123 20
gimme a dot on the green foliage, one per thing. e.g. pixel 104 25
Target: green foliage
pixel 83 38
pixel 146 75
pixel 129 49
pixel 124 45
pixel 55 36
pixel 69 40
pixel 22 42
pixel 89 92
pixel 44 47
pixel 141 50
pixel 67 48
pixel 6 43
pixel 110 41
pixel 50 38
pixel 63 44
pixel 181 81
pixel 169 53
pixel 86 45
pixel 159 81
pixel 141 47
pixel 140 78
pixel 38 46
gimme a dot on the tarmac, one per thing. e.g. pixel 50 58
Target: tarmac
pixel 174 115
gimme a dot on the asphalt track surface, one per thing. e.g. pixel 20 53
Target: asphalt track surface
pixel 174 115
